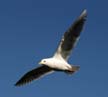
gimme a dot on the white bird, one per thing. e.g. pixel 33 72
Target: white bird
pixel 59 61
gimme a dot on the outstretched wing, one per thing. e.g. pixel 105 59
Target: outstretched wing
pixel 34 74
pixel 70 37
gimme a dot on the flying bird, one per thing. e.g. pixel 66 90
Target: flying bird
pixel 59 61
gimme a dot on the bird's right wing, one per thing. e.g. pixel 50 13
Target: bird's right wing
pixel 34 74
pixel 70 37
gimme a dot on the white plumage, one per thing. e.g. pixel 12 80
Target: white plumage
pixel 59 61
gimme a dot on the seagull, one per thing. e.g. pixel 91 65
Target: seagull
pixel 59 61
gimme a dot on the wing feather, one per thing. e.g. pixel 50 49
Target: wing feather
pixel 71 37
pixel 34 74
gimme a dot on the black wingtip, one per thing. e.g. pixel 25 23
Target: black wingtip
pixel 17 84
pixel 21 82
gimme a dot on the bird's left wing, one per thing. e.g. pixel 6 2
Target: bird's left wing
pixel 70 37
pixel 34 74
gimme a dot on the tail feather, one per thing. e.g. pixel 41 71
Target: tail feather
pixel 72 70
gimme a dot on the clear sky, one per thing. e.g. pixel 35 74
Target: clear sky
pixel 31 30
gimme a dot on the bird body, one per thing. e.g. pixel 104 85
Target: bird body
pixel 59 61
pixel 55 63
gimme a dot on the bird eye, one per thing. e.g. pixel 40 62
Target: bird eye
pixel 44 61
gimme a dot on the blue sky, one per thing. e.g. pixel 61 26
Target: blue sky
pixel 31 30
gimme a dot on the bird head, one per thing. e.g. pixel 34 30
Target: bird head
pixel 43 61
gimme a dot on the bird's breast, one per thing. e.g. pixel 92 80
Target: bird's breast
pixel 57 64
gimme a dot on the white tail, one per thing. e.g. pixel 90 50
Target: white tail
pixel 73 69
